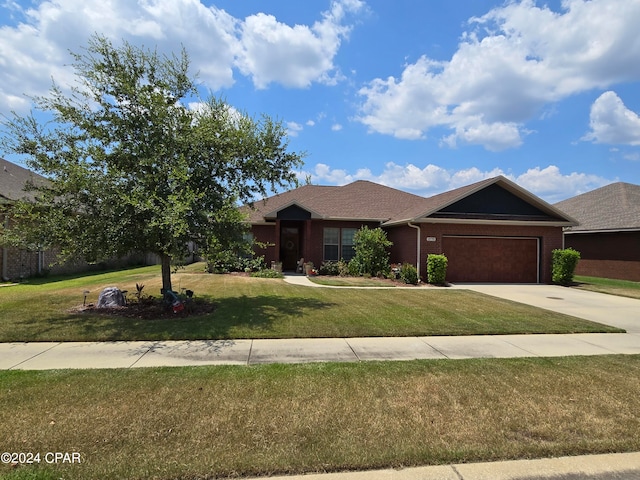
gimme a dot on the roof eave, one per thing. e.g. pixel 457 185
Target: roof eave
pixel 477 221
pixel 605 230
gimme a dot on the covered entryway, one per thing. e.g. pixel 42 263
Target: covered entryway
pixel 492 259
pixel 290 247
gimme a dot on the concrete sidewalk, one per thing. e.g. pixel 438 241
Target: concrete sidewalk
pixel 617 466
pixel 54 355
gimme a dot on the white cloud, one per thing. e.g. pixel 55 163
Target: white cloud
pixel 336 127
pixel 549 183
pixel 293 129
pixel 552 185
pixel 36 48
pixel 613 123
pixel 294 56
pixel 517 60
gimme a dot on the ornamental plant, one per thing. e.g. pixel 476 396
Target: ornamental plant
pixel 437 269
pixel 371 253
pixel 409 274
pixel 563 265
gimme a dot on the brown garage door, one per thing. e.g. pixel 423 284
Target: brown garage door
pixel 491 259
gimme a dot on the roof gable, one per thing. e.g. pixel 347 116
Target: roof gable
pixel 613 207
pixel 493 202
pixel 492 199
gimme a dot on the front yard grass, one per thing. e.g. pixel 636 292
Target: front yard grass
pixel 624 288
pixel 267 308
pixel 211 422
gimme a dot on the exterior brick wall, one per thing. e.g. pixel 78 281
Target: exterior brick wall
pixel 618 269
pixel 607 255
pixel 404 240
pixel 265 234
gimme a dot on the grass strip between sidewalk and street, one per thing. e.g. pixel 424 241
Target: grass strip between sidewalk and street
pixel 211 422
pixel 266 308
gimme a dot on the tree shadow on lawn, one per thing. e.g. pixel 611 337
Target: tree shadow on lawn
pixel 232 317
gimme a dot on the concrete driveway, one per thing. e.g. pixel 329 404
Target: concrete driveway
pixel 611 310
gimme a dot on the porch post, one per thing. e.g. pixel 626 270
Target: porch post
pixel 307 241
pixel 277 247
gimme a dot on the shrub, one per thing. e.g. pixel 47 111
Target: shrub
pixel 354 268
pixel 329 267
pixel 343 268
pixel 409 274
pixel 267 273
pixel 563 264
pixel 371 254
pixel 436 269
pixel 233 263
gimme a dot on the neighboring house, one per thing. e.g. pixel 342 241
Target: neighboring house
pixel 608 237
pixel 490 231
pixel 16 263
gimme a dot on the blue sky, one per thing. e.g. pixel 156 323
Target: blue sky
pixel 423 96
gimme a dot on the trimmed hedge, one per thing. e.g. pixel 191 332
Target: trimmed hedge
pixel 436 269
pixel 563 265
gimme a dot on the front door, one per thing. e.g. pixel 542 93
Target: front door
pixel 290 247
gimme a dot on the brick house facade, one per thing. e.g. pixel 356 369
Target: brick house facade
pixel 491 231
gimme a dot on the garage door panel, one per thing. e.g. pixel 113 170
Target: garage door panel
pixel 491 259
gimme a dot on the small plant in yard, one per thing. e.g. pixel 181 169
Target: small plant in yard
pixel 437 269
pixel 267 273
pixel 139 287
pixel 564 263
pixel 409 274
pixel 329 267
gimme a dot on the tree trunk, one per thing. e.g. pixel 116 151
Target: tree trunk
pixel 166 272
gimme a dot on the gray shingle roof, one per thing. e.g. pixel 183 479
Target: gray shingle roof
pixel 364 200
pixel 609 208
pixel 13 179
pixel 361 200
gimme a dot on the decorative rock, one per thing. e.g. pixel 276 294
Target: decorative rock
pixel 110 297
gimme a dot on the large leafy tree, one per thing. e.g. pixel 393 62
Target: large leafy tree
pixel 137 161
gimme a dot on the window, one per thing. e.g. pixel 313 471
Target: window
pixel 331 243
pixel 338 243
pixel 348 252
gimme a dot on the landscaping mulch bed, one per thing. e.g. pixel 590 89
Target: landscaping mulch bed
pixel 150 309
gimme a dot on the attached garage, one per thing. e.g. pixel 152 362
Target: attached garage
pixel 492 259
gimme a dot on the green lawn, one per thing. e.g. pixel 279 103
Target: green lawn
pixel 207 422
pixel 266 308
pixel 611 286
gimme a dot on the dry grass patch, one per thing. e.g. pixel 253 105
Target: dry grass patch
pixel 209 422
